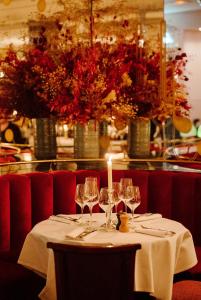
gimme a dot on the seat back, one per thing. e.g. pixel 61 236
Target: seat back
pixel 94 272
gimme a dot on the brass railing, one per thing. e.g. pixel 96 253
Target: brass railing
pixel 164 161
pixel 74 164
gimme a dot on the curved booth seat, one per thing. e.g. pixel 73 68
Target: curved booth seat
pixel 27 199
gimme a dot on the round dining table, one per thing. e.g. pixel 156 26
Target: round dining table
pixel 167 248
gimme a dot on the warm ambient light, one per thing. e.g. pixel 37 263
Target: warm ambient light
pixel 199 28
pixel 168 38
pixel 109 168
pixel 179 2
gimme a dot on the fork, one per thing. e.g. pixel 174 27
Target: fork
pixel 85 233
pixel 143 215
pixel 160 229
pixel 73 219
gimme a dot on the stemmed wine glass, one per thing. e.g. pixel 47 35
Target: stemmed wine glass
pixel 106 202
pixel 80 198
pixel 124 183
pixel 133 199
pixel 117 200
pixel 91 193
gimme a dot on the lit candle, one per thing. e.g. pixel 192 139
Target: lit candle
pixel 109 171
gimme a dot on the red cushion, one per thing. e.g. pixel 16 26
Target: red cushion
pixel 64 183
pixel 41 196
pixel 187 290
pixel 17 282
pixel 18 210
pixel 160 192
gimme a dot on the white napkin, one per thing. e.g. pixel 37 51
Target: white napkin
pixel 58 219
pixel 80 234
pixel 154 231
pixel 75 232
pixel 146 217
pixel 68 217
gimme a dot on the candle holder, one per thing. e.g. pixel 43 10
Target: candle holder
pixel 109 210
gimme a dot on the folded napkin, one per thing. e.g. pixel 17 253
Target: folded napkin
pixel 59 219
pixel 69 217
pixel 81 234
pixel 75 232
pixel 154 231
pixel 146 217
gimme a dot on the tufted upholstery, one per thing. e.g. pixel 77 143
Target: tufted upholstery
pixel 187 290
pixel 30 198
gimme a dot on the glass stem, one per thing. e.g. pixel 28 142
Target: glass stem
pixel 108 217
pixel 116 205
pixel 125 207
pixel 82 210
pixel 132 211
pixel 90 211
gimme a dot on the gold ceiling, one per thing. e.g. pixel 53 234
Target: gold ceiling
pixel 110 17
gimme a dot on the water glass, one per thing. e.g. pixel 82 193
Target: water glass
pixel 133 199
pixel 117 200
pixel 91 193
pixel 106 202
pixel 80 198
pixel 124 183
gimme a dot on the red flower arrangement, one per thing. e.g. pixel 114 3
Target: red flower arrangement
pixel 97 82
pixel 21 85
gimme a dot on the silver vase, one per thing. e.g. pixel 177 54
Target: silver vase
pixel 86 140
pixel 44 138
pixel 139 138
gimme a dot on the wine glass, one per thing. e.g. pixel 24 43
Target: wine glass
pixel 106 202
pixel 124 183
pixel 117 200
pixel 133 199
pixel 80 198
pixel 91 193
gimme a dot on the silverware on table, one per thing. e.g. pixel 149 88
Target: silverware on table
pixel 159 229
pixel 143 215
pixel 54 219
pixel 73 219
pixel 85 233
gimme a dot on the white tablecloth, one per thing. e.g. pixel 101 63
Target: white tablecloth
pixel 156 263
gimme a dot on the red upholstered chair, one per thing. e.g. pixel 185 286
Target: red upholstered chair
pixel 187 290
pixel 94 272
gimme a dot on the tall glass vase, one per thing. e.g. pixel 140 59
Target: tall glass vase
pixel 139 138
pixel 45 138
pixel 87 142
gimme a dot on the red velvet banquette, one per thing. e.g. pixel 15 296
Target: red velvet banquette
pixel 26 199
